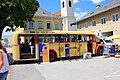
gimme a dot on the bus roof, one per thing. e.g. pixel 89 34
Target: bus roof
pixel 73 32
pixel 61 32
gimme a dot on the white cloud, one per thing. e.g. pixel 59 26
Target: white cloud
pixel 78 9
pixel 75 1
pixel 97 1
pixel 78 14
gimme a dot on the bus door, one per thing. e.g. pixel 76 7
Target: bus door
pixel 89 43
pixel 75 45
pixel 27 46
pixel 79 39
pixel 61 50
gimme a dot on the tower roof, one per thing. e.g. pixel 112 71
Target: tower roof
pixel 57 13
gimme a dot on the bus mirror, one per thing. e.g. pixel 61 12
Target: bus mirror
pixel 79 37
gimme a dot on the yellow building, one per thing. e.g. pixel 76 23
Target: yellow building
pixel 44 21
pixel 105 19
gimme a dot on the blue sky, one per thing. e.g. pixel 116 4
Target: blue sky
pixel 81 7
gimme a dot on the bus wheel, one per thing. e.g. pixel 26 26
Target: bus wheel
pixel 52 56
pixel 100 51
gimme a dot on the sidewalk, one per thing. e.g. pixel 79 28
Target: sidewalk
pixel 24 72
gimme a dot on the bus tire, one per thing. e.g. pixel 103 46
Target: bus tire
pixel 100 51
pixel 52 56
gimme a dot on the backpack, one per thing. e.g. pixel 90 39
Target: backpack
pixel 10 59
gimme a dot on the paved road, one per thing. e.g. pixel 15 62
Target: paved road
pixel 98 68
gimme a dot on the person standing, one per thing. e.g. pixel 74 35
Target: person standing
pixel 4 64
pixel 27 47
pixel 32 45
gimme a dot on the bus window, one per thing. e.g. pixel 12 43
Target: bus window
pixel 84 36
pixel 89 38
pixel 70 38
pixel 61 38
pixel 48 38
pixel 44 38
pixel 73 38
pixel 79 37
pixel 40 39
pixel 67 37
pixel 57 38
pixel 54 38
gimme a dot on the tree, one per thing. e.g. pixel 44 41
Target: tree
pixel 16 13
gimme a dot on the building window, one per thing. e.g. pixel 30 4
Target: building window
pixel 31 25
pixel 63 4
pixel 56 25
pixel 79 26
pixel 40 24
pixel 86 25
pixel 115 17
pixel 103 20
pixel 93 23
pixel 48 25
pixel 70 5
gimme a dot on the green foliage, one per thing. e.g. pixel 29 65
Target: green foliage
pixel 23 11
pixel 16 12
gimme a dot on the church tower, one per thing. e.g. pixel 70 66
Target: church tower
pixel 67 13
